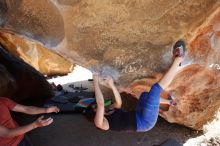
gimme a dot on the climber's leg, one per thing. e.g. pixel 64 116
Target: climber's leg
pixel 178 54
pixel 148 105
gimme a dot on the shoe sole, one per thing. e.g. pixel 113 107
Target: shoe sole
pixel 178 44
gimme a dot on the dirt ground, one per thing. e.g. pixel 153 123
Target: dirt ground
pixel 75 130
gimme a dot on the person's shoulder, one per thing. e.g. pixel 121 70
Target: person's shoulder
pixel 6 100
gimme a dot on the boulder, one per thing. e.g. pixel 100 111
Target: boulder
pixel 38 20
pixel 47 62
pixel 132 41
pixel 197 87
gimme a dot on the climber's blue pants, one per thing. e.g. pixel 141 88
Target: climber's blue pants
pixel 148 108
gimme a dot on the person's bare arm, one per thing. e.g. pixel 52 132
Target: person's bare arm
pixel 32 110
pixel 118 102
pixel 99 120
pixel 6 132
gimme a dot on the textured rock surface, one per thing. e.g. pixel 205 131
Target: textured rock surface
pixel 39 20
pixel 22 82
pixel 132 40
pixel 47 62
pixel 198 86
pixel 129 39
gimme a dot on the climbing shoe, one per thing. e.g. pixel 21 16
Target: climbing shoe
pixel 172 101
pixel 179 49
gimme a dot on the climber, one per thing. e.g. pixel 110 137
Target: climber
pixel 13 135
pixel 146 113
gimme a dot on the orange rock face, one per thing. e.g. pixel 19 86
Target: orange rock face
pixel 45 61
pixel 132 41
pixel 197 87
